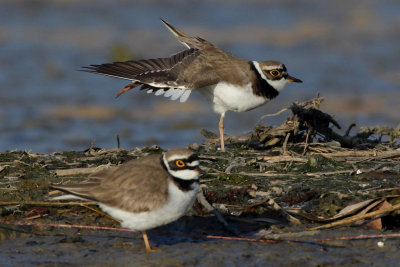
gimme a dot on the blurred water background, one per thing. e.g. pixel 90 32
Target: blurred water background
pixel 349 51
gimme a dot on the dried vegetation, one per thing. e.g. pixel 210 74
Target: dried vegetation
pixel 300 173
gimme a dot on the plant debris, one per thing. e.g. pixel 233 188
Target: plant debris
pixel 299 173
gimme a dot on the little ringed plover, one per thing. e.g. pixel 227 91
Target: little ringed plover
pixel 229 82
pixel 143 193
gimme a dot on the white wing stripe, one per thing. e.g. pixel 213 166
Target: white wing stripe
pixel 174 93
pixel 185 96
pixel 159 92
pixel 170 92
pixel 177 94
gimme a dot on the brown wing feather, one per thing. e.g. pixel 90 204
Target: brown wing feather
pixel 189 41
pixel 202 65
pixel 147 69
pixel 131 191
pixel 80 190
pixel 135 186
pixel 150 160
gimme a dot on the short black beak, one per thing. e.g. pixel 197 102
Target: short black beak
pixel 200 171
pixel 293 79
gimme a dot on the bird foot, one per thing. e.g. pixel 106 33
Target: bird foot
pixel 150 250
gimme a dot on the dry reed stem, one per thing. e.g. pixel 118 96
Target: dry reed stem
pixel 357 218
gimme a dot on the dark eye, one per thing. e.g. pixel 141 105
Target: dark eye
pixel 274 73
pixel 180 163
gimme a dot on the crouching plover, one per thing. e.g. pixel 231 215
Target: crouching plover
pixel 143 193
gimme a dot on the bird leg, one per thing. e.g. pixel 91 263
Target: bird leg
pixel 210 208
pixel 221 131
pixel 146 243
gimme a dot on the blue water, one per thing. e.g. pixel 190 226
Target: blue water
pixel 348 51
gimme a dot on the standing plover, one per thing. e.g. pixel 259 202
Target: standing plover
pixel 229 82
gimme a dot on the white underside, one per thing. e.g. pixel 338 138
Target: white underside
pixel 226 97
pixel 178 203
pixel 223 95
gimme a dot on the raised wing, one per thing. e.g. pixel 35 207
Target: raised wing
pixel 146 71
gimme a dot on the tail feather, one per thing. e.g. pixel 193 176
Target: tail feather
pixel 74 191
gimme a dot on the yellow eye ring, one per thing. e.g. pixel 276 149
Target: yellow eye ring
pixel 274 73
pixel 180 163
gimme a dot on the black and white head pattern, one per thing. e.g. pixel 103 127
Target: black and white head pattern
pixel 182 164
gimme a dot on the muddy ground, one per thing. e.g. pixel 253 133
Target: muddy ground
pixel 273 189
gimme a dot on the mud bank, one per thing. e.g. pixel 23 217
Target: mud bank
pixel 291 192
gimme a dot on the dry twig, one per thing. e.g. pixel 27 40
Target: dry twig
pixel 356 218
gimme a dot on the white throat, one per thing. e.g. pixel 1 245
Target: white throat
pixel 277 84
